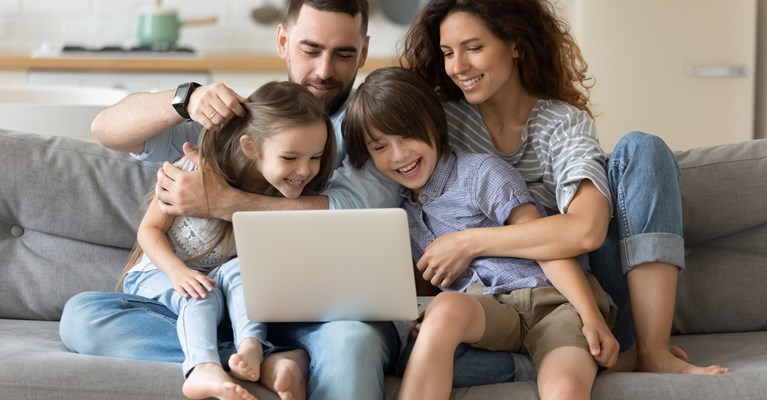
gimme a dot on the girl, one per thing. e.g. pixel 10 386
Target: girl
pixel 515 85
pixel 282 146
pixel 548 309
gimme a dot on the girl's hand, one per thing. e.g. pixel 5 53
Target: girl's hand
pixel 602 344
pixel 446 258
pixel 189 282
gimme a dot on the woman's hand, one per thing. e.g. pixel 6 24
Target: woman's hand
pixel 446 258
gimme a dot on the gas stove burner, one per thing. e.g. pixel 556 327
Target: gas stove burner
pixel 122 50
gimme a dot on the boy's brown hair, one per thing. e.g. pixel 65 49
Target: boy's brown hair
pixel 394 101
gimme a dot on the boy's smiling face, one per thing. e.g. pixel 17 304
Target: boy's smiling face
pixel 409 162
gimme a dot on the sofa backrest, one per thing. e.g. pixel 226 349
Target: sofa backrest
pixel 69 209
pixel 724 196
pixel 68 212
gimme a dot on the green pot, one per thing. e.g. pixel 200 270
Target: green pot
pixel 158 29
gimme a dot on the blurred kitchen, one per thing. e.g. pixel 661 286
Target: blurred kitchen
pixel 105 44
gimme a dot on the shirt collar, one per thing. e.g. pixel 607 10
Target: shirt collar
pixel 436 183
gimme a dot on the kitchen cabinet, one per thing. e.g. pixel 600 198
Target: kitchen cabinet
pixel 243 73
pixel 126 80
pixel 684 69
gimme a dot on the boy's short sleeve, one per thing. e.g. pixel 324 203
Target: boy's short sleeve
pixel 500 188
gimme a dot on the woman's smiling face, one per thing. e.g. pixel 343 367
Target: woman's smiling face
pixel 477 61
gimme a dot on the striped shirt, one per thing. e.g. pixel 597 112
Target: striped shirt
pixel 559 149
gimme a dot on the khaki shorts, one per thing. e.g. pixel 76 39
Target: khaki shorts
pixel 536 320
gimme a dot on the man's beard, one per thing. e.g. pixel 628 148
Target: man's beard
pixel 331 104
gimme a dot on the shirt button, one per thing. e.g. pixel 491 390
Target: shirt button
pixel 422 198
pixel 17 231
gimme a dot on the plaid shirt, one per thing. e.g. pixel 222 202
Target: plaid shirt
pixel 473 191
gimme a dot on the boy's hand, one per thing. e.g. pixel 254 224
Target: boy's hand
pixel 445 259
pixel 189 282
pixel 602 344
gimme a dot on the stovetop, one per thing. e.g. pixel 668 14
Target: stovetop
pixel 117 51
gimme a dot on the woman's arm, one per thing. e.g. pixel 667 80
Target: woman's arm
pixel 581 230
pixel 151 237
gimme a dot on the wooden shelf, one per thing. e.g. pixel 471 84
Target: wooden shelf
pixel 220 63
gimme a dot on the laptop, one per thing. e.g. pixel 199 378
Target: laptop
pixel 326 265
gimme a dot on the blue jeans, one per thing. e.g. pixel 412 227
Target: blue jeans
pixel 646 226
pixel 198 318
pixel 348 359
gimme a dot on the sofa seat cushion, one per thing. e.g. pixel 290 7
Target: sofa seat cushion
pixel 34 361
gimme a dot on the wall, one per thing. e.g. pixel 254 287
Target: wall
pixel 25 25
pixel 760 108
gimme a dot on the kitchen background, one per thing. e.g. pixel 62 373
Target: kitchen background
pixel 731 87
pixel 28 25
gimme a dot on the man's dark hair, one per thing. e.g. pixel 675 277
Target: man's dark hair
pixel 351 7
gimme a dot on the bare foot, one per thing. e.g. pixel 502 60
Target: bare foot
pixel 674 361
pixel 285 373
pixel 627 361
pixel 246 363
pixel 210 380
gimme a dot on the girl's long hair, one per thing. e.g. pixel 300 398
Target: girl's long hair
pixel 551 65
pixel 275 106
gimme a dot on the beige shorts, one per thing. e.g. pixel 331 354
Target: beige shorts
pixel 536 320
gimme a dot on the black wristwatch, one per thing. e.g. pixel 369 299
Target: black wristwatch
pixel 180 100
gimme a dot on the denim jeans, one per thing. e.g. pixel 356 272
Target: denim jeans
pixel 198 319
pixel 348 358
pixel 646 226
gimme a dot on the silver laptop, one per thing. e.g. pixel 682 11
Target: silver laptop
pixel 326 265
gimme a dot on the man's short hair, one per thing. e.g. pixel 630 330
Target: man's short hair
pixel 351 7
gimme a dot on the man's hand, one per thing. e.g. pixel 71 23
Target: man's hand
pixel 445 259
pixel 212 105
pixel 181 192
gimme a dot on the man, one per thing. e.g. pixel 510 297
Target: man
pixel 324 43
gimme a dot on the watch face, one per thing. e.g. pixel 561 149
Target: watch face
pixel 181 98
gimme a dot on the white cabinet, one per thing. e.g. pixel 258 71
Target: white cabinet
pixel 681 69
pixel 130 81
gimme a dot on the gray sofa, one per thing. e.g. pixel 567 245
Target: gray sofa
pixel 68 211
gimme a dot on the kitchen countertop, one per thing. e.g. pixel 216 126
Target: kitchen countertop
pixel 245 63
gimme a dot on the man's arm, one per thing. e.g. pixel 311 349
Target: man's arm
pixel 180 192
pixel 127 125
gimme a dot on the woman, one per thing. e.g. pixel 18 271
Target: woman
pixel 515 84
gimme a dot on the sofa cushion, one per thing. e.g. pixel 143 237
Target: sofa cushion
pixel 68 213
pixel 724 197
pixel 34 364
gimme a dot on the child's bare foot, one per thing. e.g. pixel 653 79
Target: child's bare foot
pixel 674 361
pixel 246 363
pixel 285 373
pixel 210 380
